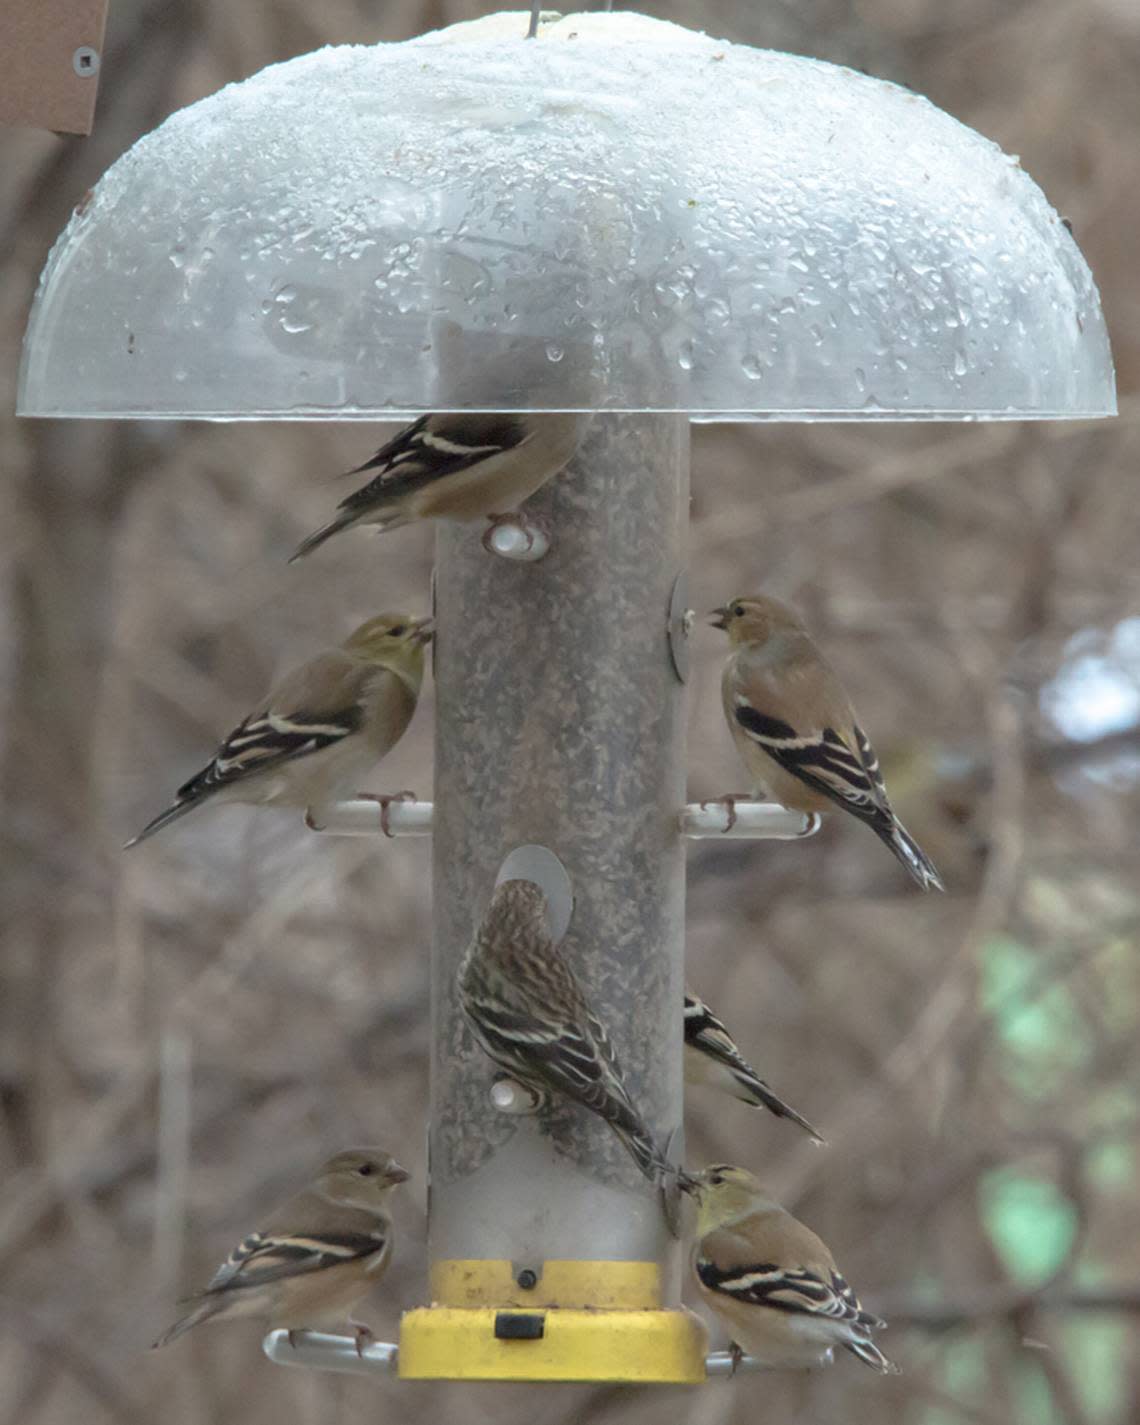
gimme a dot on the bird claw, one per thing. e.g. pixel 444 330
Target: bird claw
pixel 534 529
pixel 728 801
pixel 292 1335
pixel 737 1355
pixel 385 800
pixel 364 1337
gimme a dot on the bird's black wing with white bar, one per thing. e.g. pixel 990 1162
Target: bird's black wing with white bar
pixel 786 1289
pixel 821 759
pixel 262 1258
pixel 433 447
pixel 265 740
pixel 802 1291
pixel 849 776
pixel 429 450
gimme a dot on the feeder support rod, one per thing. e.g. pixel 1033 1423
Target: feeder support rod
pixel 560 724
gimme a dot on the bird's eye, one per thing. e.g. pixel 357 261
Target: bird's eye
pixel 366 1170
pixel 398 631
pixel 737 611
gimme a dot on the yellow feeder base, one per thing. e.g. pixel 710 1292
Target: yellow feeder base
pixel 579 1321
pixel 465 1343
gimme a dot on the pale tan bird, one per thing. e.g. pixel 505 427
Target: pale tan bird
pixel 315 1258
pixel 531 1015
pixel 712 1058
pixel 795 728
pixel 772 1281
pixel 461 466
pixel 322 727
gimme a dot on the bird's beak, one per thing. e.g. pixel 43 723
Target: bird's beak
pixel 396 1174
pixel 719 617
pixel 424 630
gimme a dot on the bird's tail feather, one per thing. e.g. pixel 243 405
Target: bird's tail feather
pixel 871 1356
pixel 642 1148
pixel 911 854
pixel 172 813
pixel 343 520
pixel 339 521
pixel 648 1156
pixel 756 1093
pixel 202 1312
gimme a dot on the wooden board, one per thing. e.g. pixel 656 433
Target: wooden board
pixel 45 83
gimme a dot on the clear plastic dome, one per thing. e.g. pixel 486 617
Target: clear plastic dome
pixel 622 215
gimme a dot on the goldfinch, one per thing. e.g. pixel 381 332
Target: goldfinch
pixel 796 730
pixel 315 1258
pixel 321 728
pixel 772 1281
pixel 711 1057
pixel 457 467
pixel 529 1013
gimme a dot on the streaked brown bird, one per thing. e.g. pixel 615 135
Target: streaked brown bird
pixel 531 1015
pixel 772 1281
pixel 796 730
pixel 315 1258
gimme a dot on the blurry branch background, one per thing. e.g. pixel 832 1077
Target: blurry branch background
pixel 185 1030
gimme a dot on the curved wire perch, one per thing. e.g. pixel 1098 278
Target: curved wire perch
pixel 740 819
pixel 321 1351
pixel 751 821
pixel 724 1363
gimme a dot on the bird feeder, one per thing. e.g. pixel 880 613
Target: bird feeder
pixel 621 216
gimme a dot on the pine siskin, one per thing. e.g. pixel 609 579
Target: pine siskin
pixel 530 1014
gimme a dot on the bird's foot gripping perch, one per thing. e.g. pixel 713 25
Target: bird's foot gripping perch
pixel 384 800
pixel 517 536
pixel 364 1337
pixel 728 801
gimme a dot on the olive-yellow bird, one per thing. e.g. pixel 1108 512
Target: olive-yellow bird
pixel 796 730
pixel 321 728
pixel 315 1258
pixel 460 466
pixel 772 1281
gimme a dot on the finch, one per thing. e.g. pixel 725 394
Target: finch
pixel 772 1281
pixel 529 1013
pixel 315 1258
pixel 711 1057
pixel 321 728
pixel 796 730
pixel 458 467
